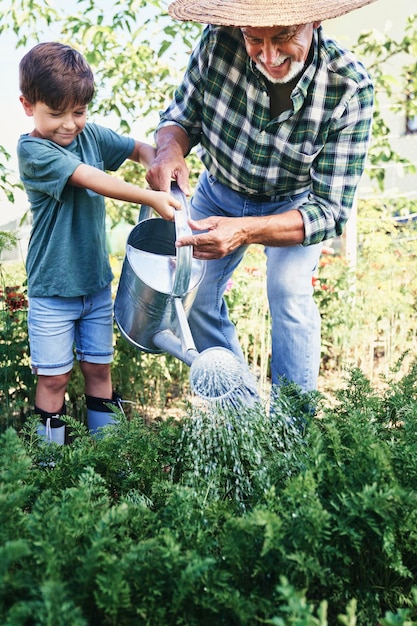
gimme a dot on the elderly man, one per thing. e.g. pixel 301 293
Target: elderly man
pixel 282 115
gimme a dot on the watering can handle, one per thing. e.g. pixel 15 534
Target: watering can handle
pixel 185 253
pixel 145 213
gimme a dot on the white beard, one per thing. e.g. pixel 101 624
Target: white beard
pixel 295 70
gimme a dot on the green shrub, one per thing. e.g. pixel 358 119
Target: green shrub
pixel 16 380
pixel 303 529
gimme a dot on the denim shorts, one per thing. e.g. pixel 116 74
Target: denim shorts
pixel 57 325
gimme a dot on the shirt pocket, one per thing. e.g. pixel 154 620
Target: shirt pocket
pixel 294 161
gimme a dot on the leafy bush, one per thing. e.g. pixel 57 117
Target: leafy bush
pixel 16 380
pixel 131 529
pixel 368 309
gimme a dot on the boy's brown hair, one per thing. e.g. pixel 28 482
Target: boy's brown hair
pixel 56 75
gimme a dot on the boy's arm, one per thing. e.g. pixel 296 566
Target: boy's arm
pixel 89 177
pixel 143 153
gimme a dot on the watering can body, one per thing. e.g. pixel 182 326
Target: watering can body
pixel 157 288
pixel 155 275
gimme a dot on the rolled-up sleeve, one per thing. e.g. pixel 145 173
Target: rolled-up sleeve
pixel 337 170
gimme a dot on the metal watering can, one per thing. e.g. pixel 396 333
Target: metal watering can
pixel 157 288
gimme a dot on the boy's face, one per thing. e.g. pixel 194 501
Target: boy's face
pixel 61 127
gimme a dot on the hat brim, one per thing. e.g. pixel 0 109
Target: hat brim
pixel 261 13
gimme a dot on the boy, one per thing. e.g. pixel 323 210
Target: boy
pixel 62 163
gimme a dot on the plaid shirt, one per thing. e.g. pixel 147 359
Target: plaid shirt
pixel 319 145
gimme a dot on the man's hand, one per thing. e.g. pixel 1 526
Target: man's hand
pixel 218 236
pixel 163 171
pixel 169 163
pixel 222 235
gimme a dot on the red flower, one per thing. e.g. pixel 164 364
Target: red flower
pixel 14 299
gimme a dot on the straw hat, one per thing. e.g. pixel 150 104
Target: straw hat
pixel 261 13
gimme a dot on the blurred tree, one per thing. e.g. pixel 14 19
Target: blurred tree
pixel 137 52
pixel 393 66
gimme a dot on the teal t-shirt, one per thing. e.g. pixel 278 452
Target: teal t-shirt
pixel 67 253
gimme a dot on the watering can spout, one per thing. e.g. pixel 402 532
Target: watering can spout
pixel 182 347
pixel 166 341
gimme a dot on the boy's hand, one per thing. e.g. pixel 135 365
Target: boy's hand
pixel 164 203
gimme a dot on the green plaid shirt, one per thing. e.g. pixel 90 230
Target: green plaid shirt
pixel 320 145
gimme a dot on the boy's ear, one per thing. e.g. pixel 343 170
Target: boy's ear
pixel 28 108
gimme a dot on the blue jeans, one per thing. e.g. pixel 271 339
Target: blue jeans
pixel 56 324
pixel 295 317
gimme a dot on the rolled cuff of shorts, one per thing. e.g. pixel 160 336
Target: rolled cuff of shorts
pixel 102 359
pixel 51 370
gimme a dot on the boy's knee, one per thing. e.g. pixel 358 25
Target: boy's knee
pixel 54 384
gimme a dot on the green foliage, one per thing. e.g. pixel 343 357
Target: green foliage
pixel 26 17
pixel 16 381
pixel 112 530
pixel 8 184
pixel 368 311
pixel 395 89
pixel 130 49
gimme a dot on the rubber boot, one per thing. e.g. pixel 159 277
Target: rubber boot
pixel 51 428
pixel 98 412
